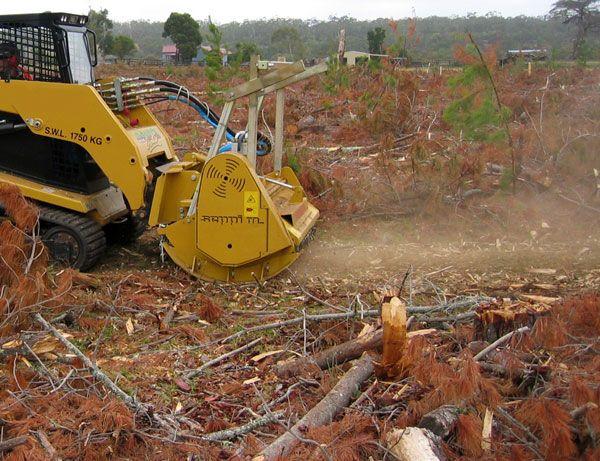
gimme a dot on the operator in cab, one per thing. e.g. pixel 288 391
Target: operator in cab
pixel 10 63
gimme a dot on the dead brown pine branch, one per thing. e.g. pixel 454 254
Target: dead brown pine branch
pixel 192 374
pixel 137 407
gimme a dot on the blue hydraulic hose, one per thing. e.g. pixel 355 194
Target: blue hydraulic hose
pixel 226 147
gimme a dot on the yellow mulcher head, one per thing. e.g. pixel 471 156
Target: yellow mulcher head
pixel 220 219
pixel 243 228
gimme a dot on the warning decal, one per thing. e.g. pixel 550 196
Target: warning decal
pixel 251 204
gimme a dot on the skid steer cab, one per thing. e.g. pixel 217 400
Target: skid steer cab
pixel 101 167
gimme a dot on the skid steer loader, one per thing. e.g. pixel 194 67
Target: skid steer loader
pixel 99 165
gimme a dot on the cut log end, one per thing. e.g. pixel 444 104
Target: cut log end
pixel 415 444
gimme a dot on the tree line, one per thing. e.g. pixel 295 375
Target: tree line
pixel 569 30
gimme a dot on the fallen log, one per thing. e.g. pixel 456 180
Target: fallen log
pixel 339 353
pixel 499 343
pixel 42 438
pixel 517 375
pixel 581 411
pixel 9 444
pixel 414 444
pixel 470 303
pixel 322 413
pixel 335 355
pixel 235 432
pixel 441 421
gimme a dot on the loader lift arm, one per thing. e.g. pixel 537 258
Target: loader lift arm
pixel 93 156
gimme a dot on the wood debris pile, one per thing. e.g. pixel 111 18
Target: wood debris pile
pixel 150 365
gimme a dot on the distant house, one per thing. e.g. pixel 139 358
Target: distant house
pixel 170 53
pixel 203 50
pixel 531 55
pixel 351 58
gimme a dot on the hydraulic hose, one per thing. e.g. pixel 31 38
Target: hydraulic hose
pixel 182 94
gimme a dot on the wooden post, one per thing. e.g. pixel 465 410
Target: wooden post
pixel 342 46
pixel 252 116
pixel 393 317
pixel 279 111
pixel 529 68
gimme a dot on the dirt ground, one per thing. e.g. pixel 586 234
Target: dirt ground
pixel 529 259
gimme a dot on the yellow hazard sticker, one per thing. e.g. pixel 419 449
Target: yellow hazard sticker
pixel 251 204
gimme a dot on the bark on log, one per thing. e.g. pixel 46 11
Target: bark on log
pixel 581 411
pixel 322 413
pixel 499 343
pixel 235 432
pixel 518 375
pixel 9 444
pixel 415 444
pixel 338 354
pixel 335 355
pixel 440 421
pixel 47 446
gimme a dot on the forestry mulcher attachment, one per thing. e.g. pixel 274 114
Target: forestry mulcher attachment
pixel 99 165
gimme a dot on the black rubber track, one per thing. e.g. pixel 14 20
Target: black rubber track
pixel 88 232
pixel 126 232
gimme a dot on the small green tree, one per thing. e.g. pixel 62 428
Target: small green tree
pixel 244 51
pixel 185 33
pixel 584 15
pixel 473 112
pixel 213 58
pixel 123 46
pixel 477 111
pixel 286 40
pixel 376 37
pixel 99 23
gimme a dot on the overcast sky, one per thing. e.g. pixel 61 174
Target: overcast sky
pixel 230 10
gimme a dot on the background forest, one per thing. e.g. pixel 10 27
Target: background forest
pixel 434 37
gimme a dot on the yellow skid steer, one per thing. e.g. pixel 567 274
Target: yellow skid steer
pixel 100 166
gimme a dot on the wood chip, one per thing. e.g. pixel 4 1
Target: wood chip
pixel 540 299
pixel 14 344
pixel 264 355
pixel 426 331
pixel 543 271
pixel 129 326
pixel 486 433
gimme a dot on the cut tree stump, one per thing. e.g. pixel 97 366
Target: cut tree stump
pixel 415 444
pixel 393 317
pixel 322 413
